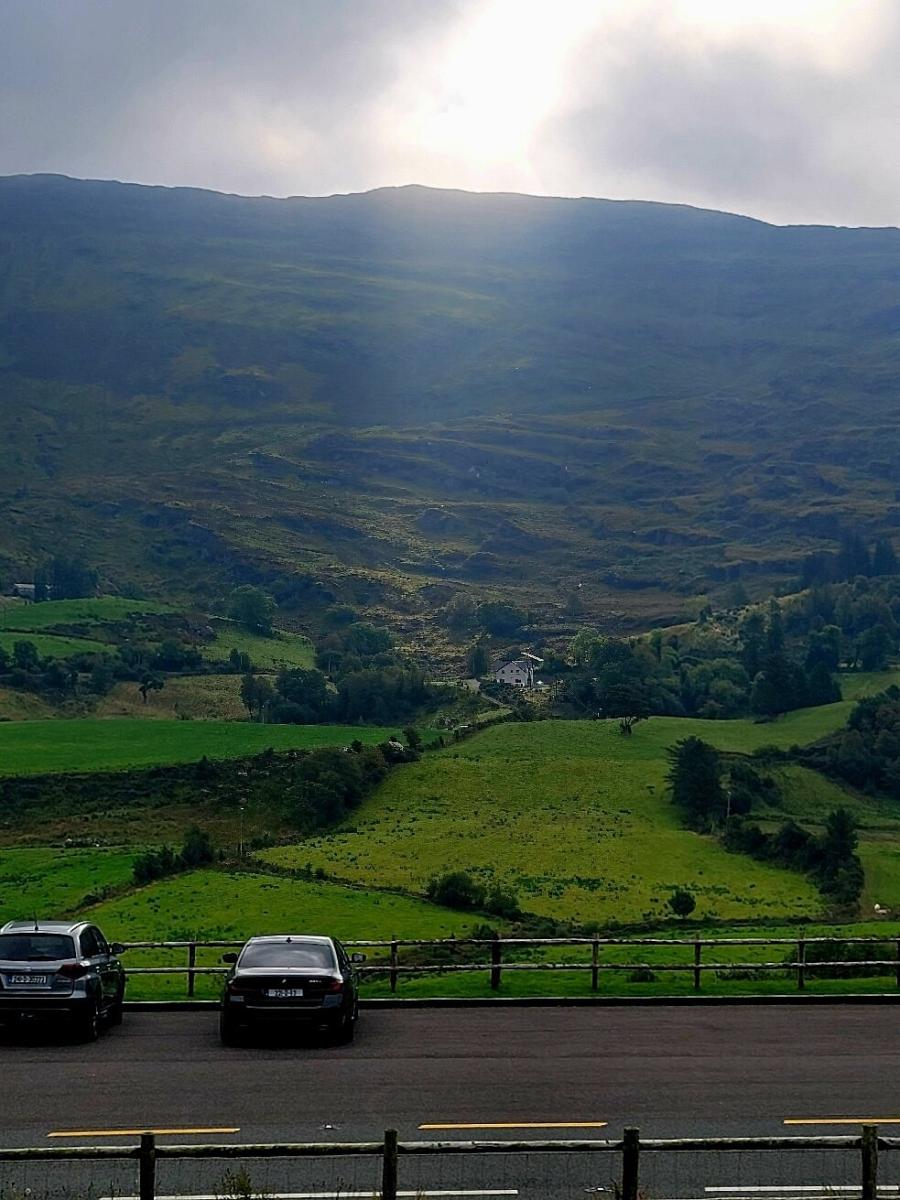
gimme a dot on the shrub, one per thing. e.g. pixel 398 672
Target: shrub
pixel 682 903
pixel 456 889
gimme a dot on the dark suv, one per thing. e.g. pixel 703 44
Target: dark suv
pixel 55 970
pixel 297 979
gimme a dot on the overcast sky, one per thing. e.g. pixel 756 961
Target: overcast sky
pixel 783 109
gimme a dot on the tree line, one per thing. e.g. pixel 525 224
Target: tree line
pixel 714 799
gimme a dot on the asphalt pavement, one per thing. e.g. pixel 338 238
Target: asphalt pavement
pixel 476 1074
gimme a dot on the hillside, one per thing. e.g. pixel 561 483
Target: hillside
pixel 391 396
pixel 576 820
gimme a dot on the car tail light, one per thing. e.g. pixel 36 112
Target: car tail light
pixel 74 970
pixel 336 985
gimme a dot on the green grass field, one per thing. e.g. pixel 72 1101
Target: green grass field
pixel 50 645
pixel 50 882
pixel 38 747
pixel 222 905
pixel 219 905
pixel 571 816
pixel 266 654
pixel 53 613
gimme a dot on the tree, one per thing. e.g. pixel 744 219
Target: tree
pixel 753 643
pixel 478 659
pixel 150 682
pixel 413 737
pixel 682 903
pixel 197 849
pixel 839 841
pixel 102 675
pixel 695 780
pixel 461 612
pixel 874 647
pixel 824 646
pixel 307 690
pixel 252 609
pixel 853 556
pixel 64 579
pixel 821 687
pixel 456 889
pixel 25 656
pixel 884 559
pixel 581 647
pixel 256 694
pixel 240 661
pixel 774 630
pixel 500 618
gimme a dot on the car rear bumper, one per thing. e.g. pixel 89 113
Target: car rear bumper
pixel 13 1008
pixel 245 1014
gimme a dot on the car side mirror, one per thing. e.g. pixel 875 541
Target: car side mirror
pixel 357 958
pixel 230 957
pixel 117 948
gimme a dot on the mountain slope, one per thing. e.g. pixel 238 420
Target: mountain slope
pixel 389 390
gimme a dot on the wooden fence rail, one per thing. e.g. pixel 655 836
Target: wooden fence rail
pixel 497 965
pixel 391 1151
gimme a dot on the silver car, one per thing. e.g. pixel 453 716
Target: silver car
pixel 60 971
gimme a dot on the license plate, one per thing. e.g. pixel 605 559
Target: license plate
pixel 35 979
pixel 285 993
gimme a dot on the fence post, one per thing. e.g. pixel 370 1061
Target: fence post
pixel 192 962
pixel 631 1151
pixel 869 1147
pixel 595 965
pixel 898 962
pixel 495 962
pixel 147 1167
pixel 801 964
pixel 389 1166
pixel 698 950
pixel 395 959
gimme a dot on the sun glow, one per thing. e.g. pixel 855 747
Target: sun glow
pixel 497 79
pixel 483 106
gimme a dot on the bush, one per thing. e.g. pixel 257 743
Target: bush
pixel 456 889
pixel 682 903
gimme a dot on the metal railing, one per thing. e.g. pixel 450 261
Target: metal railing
pixel 496 964
pixel 391 1150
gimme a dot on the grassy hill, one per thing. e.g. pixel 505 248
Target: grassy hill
pixel 576 820
pixel 88 745
pixel 54 614
pixel 394 393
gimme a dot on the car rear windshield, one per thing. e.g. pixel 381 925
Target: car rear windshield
pixel 317 955
pixel 35 947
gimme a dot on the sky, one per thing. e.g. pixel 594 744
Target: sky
pixel 782 109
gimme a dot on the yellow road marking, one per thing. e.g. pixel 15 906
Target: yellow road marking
pixel 516 1125
pixel 842 1121
pixel 82 1133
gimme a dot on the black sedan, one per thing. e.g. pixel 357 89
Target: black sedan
pixel 295 979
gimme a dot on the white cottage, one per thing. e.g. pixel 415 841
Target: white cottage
pixel 519 672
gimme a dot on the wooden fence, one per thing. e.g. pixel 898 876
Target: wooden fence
pixel 496 965
pixel 391 1151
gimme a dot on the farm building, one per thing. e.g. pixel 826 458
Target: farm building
pixel 519 672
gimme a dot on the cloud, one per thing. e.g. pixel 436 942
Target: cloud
pixel 784 110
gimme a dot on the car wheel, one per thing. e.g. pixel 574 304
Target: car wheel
pixel 87 1024
pixel 114 1016
pixel 229 1030
pixel 344 1030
